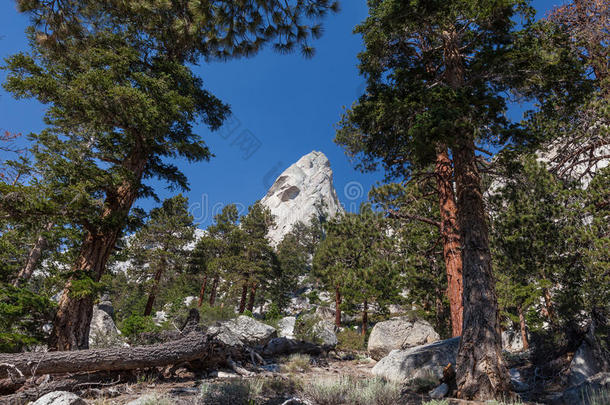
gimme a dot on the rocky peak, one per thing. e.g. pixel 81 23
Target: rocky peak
pixel 299 192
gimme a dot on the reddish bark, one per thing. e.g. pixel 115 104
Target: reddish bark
pixel 153 291
pixel 71 324
pixel 523 328
pixel 365 317
pixel 450 233
pixel 337 307
pixel 252 297
pixel 202 291
pixel 213 292
pixel 244 295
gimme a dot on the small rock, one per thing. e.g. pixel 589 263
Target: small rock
pixel 60 398
pixel 512 341
pixel 440 392
pixel 189 300
pixel 145 399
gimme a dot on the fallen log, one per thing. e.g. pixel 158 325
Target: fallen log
pixel 194 346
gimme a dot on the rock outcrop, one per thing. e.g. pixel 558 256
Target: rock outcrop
pixel 300 192
pixel 418 362
pixel 399 333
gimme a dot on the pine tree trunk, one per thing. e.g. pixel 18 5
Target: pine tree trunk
pixel 450 234
pixel 548 304
pixel 481 372
pixel 73 316
pixel 337 307
pixel 33 257
pixel 213 292
pixel 365 317
pixel 202 291
pixel 153 291
pixel 253 289
pixel 523 328
pixel 244 294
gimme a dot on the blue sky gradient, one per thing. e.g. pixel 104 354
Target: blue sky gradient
pixel 287 104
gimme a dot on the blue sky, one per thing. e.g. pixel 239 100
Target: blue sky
pixel 288 104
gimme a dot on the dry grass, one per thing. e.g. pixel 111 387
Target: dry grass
pixel 346 390
pixel 300 363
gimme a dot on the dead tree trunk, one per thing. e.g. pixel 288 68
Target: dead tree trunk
pixel 337 307
pixel 33 257
pixel 450 233
pixel 195 346
pixel 202 291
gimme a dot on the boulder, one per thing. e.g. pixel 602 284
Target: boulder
pixel 418 362
pixel 60 398
pixel 585 363
pixel 512 341
pixel 286 327
pixel 103 332
pixel 399 333
pixel 439 392
pixel 324 332
pixel 587 390
pixel 189 300
pixel 250 331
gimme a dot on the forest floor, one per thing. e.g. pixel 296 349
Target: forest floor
pixel 268 388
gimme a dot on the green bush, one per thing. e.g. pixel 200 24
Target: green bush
pixel 305 328
pixel 135 324
pixel 209 315
pixel 234 392
pixel 22 316
pixel 350 339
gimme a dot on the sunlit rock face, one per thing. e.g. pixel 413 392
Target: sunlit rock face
pixel 300 192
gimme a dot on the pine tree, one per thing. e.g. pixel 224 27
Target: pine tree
pixel 217 252
pixel 122 99
pixel 159 249
pixel 435 73
pixel 258 255
pixel 355 262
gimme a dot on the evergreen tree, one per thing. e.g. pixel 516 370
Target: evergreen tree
pixel 122 99
pixel 159 249
pixel 436 75
pixel 217 252
pixel 355 262
pixel 258 255
pixel 413 211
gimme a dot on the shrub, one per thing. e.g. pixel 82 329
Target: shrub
pixel 133 325
pixel 346 390
pixel 210 314
pixel 22 317
pixel 350 339
pixel 305 328
pixel 296 363
pixel 436 402
pixel 234 392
